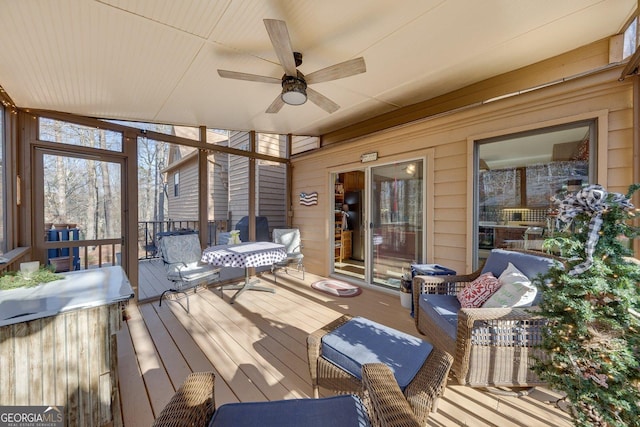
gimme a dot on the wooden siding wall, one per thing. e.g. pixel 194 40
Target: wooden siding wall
pixel 238 178
pixel 450 137
pixel 229 184
pixel 271 180
pixel 185 206
pixel 218 200
pixel 300 144
pixel 271 192
pixel 271 144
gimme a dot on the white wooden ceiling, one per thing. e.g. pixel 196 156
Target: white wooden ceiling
pixel 156 60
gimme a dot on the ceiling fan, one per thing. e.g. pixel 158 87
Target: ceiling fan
pixel 295 85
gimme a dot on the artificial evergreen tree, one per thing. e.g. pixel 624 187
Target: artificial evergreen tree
pixel 592 302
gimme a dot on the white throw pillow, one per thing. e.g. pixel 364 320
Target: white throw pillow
pixel 516 290
pixel 511 275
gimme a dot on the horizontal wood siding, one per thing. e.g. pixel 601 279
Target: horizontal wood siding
pixel 272 144
pixel 218 201
pixel 185 206
pixel 271 192
pixel 271 180
pixel 451 136
pixel 238 179
pixel 314 221
pixel 300 144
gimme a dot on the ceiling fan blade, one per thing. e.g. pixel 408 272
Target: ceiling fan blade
pixel 337 71
pixel 275 106
pixel 322 101
pixel 281 42
pixel 246 76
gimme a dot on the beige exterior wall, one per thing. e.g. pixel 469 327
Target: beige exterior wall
pixel 446 142
pixel 218 175
pixel 271 180
pixel 270 194
pixel 228 176
pixel 185 206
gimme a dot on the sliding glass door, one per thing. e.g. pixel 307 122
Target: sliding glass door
pixel 396 220
pixel 379 222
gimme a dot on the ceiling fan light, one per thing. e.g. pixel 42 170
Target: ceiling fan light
pixel 294 91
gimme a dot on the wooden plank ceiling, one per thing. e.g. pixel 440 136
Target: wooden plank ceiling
pixel 156 60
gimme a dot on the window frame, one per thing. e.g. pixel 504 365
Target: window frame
pixel 597 171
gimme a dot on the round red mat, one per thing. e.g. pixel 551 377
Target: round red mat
pixel 336 288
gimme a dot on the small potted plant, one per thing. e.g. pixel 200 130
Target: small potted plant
pixel 235 237
pixel 405 289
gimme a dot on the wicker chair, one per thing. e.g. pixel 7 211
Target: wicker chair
pixel 193 404
pixel 492 347
pixel 422 393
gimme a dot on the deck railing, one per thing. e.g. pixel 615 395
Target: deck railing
pixel 66 250
pixel 66 255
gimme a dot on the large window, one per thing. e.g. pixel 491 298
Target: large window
pixel 519 176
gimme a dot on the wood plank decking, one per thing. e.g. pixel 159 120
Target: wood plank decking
pixel 257 347
pixel 152 278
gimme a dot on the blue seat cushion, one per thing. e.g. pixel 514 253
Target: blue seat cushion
pixel 336 411
pixel 442 310
pixel 361 341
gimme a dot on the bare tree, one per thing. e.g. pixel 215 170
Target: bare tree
pixel 107 201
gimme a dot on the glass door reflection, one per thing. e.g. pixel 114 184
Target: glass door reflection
pixel 397 220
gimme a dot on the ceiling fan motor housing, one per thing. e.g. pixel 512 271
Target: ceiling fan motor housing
pixel 294 89
pixel 294 83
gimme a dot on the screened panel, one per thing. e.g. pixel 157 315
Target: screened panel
pixel 188 132
pixel 300 144
pixel 271 144
pixel 83 194
pixel 271 179
pixel 73 134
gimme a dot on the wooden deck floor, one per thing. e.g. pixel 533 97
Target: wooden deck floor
pixel 152 278
pixel 257 349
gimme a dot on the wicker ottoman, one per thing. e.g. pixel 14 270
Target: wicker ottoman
pixel 337 350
